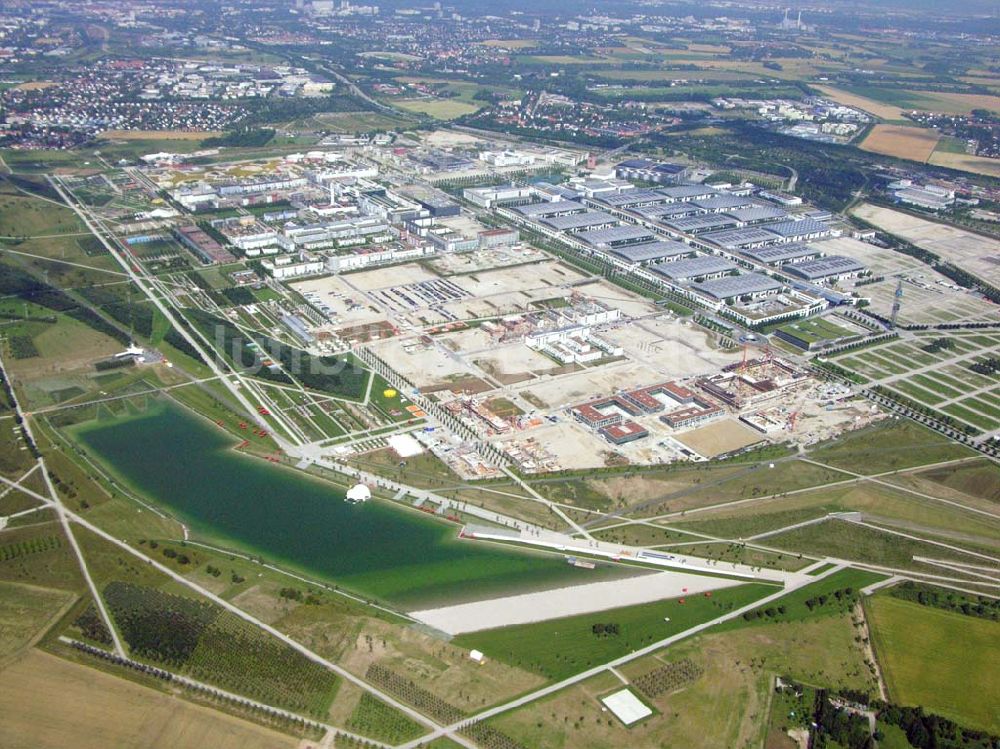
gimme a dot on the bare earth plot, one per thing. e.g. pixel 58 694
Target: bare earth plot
pixel 568 390
pixel 928 297
pixel 886 111
pixel 673 347
pixel 49 703
pixel 966 162
pixel 423 366
pixel 975 253
pixel 902 141
pixel 719 438
pixel 569 601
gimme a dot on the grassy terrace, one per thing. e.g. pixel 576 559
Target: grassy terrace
pixel 560 648
pixel 932 657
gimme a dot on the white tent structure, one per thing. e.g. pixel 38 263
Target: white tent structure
pixel 359 493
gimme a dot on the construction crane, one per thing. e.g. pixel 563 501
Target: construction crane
pixel 897 303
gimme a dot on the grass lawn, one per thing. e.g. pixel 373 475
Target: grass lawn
pixel 562 647
pixel 796 609
pixel 888 446
pixel 943 661
pixel 442 109
pixel 843 540
pixel 24 611
pixel 24 215
pixel 724 706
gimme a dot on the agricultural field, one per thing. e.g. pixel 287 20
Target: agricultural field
pixel 902 141
pixel 930 657
pixel 51 703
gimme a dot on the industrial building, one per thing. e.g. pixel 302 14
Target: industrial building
pixel 695 268
pixel 738 239
pixel 756 214
pixel 647 252
pixel 799 231
pixel 778 255
pixel 828 268
pixel 667 211
pixel 616 236
pixel 580 221
pixel 752 285
pixel 680 193
pixel 722 203
pixel 645 170
pixel 634 199
pixel 547 209
pixel 703 223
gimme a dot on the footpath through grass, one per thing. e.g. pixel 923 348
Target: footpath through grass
pixel 559 648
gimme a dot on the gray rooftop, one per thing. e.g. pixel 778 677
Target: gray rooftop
pixel 579 220
pixel 668 211
pixel 803 228
pixel 615 235
pixel 733 286
pixel 688 268
pixel 642 253
pixel 687 192
pixel 824 267
pixel 702 223
pixel 535 210
pixel 757 213
pixel 731 239
pixel 633 197
pixel 781 253
pixel 722 202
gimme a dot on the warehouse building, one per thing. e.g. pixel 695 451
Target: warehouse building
pixel 756 214
pixel 799 231
pixel 721 203
pixel 616 236
pixel 752 285
pixel 695 268
pixel 646 170
pixel 778 255
pixel 634 199
pixel 699 224
pixel 681 193
pixel 581 221
pixel 738 239
pixel 829 268
pixel 544 210
pixel 648 252
pixel 668 211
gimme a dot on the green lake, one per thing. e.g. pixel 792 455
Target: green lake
pixel 186 465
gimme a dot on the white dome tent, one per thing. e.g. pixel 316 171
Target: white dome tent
pixel 359 493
